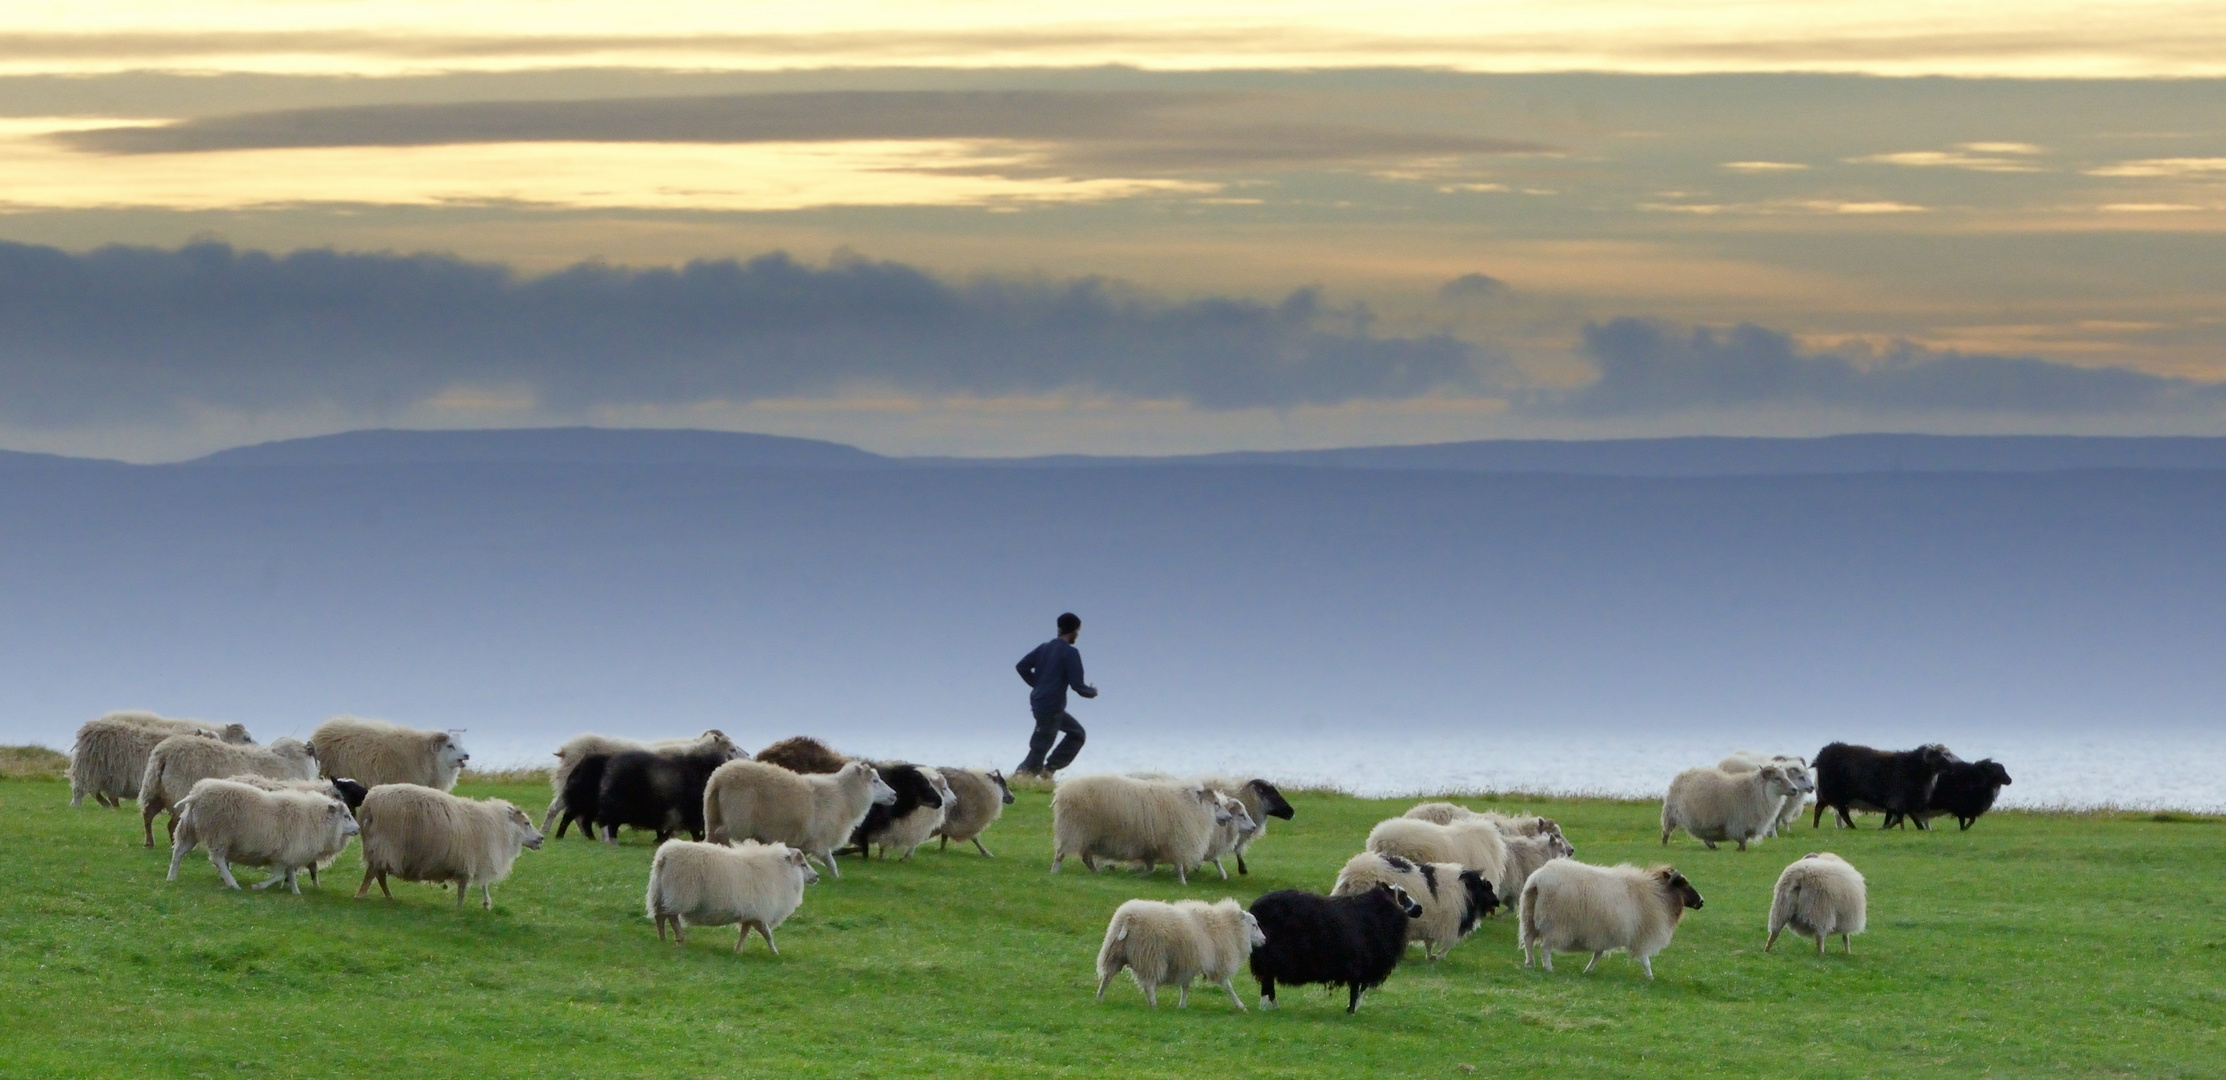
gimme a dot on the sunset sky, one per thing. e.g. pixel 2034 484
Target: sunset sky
pixel 1003 228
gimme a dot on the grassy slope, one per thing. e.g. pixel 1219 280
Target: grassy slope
pixel 2033 944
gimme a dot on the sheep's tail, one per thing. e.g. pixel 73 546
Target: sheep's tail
pixel 1526 930
pixel 1113 955
pixel 714 818
pixel 652 902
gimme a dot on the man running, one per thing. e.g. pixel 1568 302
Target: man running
pixel 1051 668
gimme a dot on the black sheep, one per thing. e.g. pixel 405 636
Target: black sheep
pixel 1965 791
pixel 1272 804
pixel 1884 781
pixel 647 789
pixel 353 791
pixel 581 789
pixel 914 790
pixel 1353 941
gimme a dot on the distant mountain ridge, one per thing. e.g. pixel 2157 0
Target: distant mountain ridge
pixel 550 446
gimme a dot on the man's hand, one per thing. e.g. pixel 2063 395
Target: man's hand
pixel 1088 691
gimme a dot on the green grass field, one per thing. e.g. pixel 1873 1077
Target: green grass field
pixel 2034 945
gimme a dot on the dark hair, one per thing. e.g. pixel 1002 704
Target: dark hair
pixel 1069 623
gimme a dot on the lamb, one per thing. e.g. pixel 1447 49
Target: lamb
pixel 1569 906
pixel 347 791
pixel 287 830
pixel 1352 941
pixel 751 800
pixel 923 797
pixel 1454 900
pixel 803 754
pixel 1233 830
pixel 1888 782
pixel 1716 805
pixel 981 799
pixel 1126 819
pixel 1796 770
pixel 1525 854
pixel 1165 944
pixel 377 752
pixel 110 755
pixel 747 884
pixel 1818 895
pixel 1262 801
pixel 1475 843
pixel 419 833
pixel 580 747
pixel 655 790
pixel 1445 813
pixel 180 761
pixel 1966 790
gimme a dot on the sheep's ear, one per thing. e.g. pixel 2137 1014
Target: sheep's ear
pixel 1205 795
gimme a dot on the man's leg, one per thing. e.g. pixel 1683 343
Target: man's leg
pixel 1068 746
pixel 1047 729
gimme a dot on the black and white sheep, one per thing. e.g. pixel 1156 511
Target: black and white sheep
pixel 747 885
pixel 1127 819
pixel 1454 899
pixel 751 800
pixel 580 747
pixel 1163 944
pixel 110 755
pixel 923 797
pixel 1796 770
pixel 1967 789
pixel 377 752
pixel 287 830
pixel 1569 906
pixel 1818 895
pixel 803 754
pixel 1715 805
pixel 1852 778
pixel 982 799
pixel 181 761
pixel 660 791
pixel 1233 830
pixel 1350 941
pixel 418 833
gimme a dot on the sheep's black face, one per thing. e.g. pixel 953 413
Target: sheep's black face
pixel 1272 802
pixel 1684 890
pixel 1406 903
pixel 1481 896
pixel 1995 773
pixel 1005 791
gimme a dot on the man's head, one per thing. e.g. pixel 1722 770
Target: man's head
pixel 1070 625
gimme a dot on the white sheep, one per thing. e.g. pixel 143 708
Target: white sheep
pixel 315 787
pixel 1234 829
pixel 288 830
pixel 1569 906
pixel 376 752
pixel 1715 805
pixel 1475 843
pixel 1445 813
pixel 1818 895
pixel 418 833
pixel 982 798
pixel 579 747
pixel 1162 944
pixel 1525 854
pixel 1126 819
pixel 746 885
pixel 750 800
pixel 110 755
pixel 1796 769
pixel 905 834
pixel 1454 900
pixel 181 761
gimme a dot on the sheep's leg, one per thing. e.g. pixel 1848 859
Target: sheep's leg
pixel 978 847
pixel 1742 845
pixel 1595 960
pixel 293 881
pixel 1182 995
pixel 1353 1005
pixel 679 933
pixel 944 844
pixel 1104 981
pixel 832 866
pixel 1647 962
pixel 1666 830
pixel 1056 860
pixel 148 808
pixel 1182 874
pixel 1240 864
pixel 1847 944
pixel 1224 873
pixel 364 889
pixel 1267 993
pixel 1546 957
pixel 486 895
pixel 223 870
pixel 1233 998
pixel 766 932
pixel 1151 994
pixel 1822 936
pixel 1773 942
pixel 177 855
pixel 275 878
pixel 741 936
pixel 383 890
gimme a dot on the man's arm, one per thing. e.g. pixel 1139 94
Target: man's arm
pixel 1074 674
pixel 1027 668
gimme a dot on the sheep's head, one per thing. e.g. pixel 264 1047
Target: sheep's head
pixel 1232 809
pixel 1797 771
pixel 1559 847
pixel 1272 802
pixel 717 740
pixel 1482 899
pixel 942 787
pixel 800 861
pixel 236 734
pixel 1005 791
pixel 883 794
pixel 1211 799
pixel 1775 781
pixel 1253 935
pixel 1399 896
pixel 350 791
pixel 450 748
pixel 338 817
pixel 1995 773
pixel 521 826
pixel 1676 887
pixel 290 747
pixel 1934 756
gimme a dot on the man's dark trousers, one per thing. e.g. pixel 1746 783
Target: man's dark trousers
pixel 1050 726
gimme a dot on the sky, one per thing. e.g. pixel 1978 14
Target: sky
pixel 998 228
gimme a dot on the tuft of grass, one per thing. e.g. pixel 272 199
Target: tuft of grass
pixel 2079 945
pixel 32 763
pixel 2174 817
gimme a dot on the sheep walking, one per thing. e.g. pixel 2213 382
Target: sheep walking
pixel 109 757
pixel 982 799
pixel 347 791
pixel 1509 825
pixel 1262 800
pixel 377 752
pixel 1233 829
pixel 1569 906
pixel 1525 854
pixel 181 761
pixel 287 830
pixel 1818 895
pixel 747 885
pixel 1796 769
pixel 1125 819
pixel 1715 805
pixel 580 747
pixel 418 833
pixel 1454 900
pixel 1474 842
pixel 1350 941
pixel 751 800
pixel 923 798
pixel 1162 944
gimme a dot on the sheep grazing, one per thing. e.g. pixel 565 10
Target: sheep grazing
pixel 923 797
pixel 1965 791
pixel 803 754
pixel 1125 819
pixel 1164 944
pixel 981 799
pixel 1454 900
pixel 110 755
pixel 1715 805
pixel 181 761
pixel 656 790
pixel 747 885
pixel 1350 941
pixel 1796 769
pixel 1525 854
pixel 377 752
pixel 419 833
pixel 1262 800
pixel 1233 830
pixel 580 747
pixel 1882 781
pixel 751 800
pixel 288 830
pixel 1569 906
pixel 580 800
pixel 347 791
pixel 1474 842
pixel 1818 895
